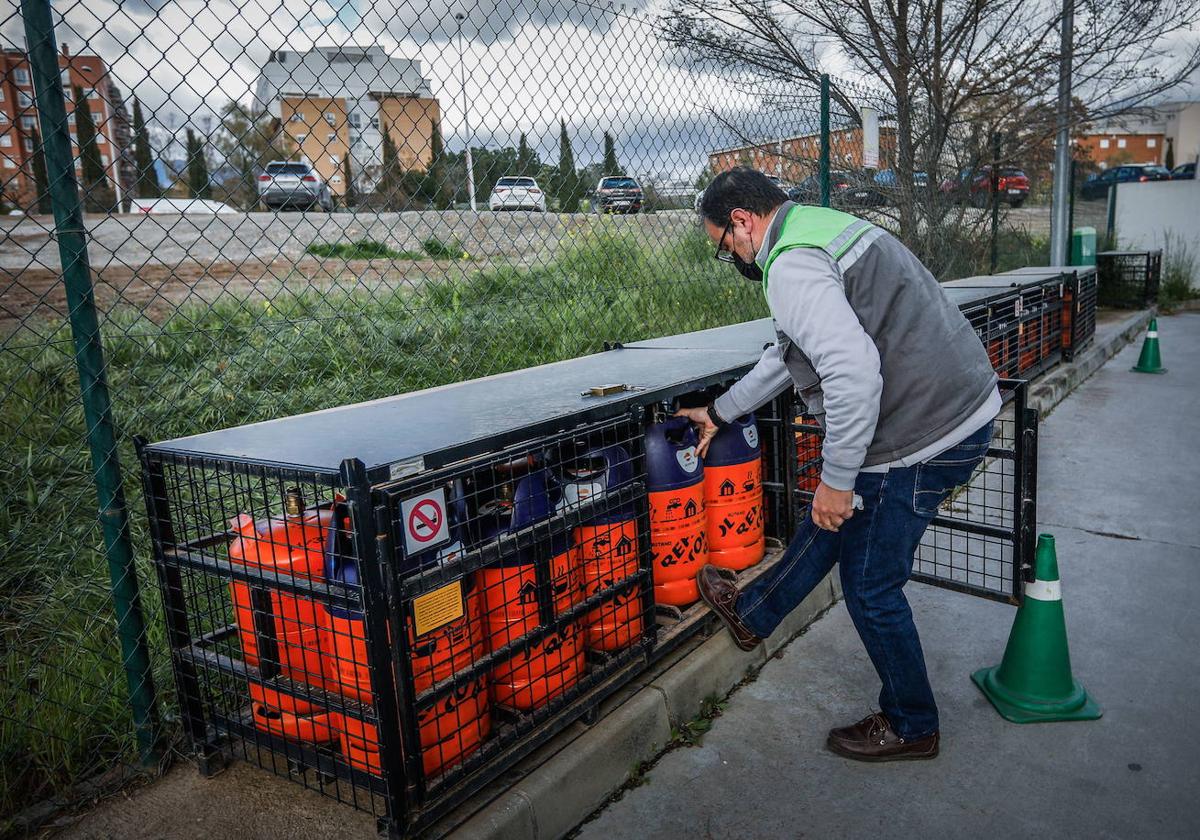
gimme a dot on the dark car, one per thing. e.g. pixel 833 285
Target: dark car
pixel 1184 172
pixel 846 189
pixel 975 186
pixel 618 194
pixel 1097 186
pixel 889 186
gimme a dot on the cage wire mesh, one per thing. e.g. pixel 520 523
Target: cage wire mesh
pixel 290 207
pixel 1128 279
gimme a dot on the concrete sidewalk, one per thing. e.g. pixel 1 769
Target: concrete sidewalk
pixel 1119 487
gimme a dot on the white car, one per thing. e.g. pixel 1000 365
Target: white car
pixel 514 192
pixel 293 183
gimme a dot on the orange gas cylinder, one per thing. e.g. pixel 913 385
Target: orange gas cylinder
pixel 607 545
pixel 1029 342
pixel 1051 318
pixel 291 547
pixel 1067 317
pixel 675 481
pixel 532 677
pixel 733 496
pixel 997 354
pixel 459 722
pixel 808 456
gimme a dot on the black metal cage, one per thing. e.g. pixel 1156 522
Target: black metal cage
pixel 981 541
pixel 1128 279
pixel 398 629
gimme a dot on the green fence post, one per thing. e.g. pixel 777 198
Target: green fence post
pixel 824 160
pixel 89 360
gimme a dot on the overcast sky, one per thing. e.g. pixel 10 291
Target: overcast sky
pixel 527 62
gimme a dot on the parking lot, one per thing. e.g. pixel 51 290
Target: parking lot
pixel 156 262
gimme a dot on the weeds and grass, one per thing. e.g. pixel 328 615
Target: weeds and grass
pixel 63 712
pixel 439 250
pixel 691 733
pixel 637 775
pixel 1180 271
pixel 363 249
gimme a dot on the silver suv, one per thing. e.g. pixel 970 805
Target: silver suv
pixel 293 183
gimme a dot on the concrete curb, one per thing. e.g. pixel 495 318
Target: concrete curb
pixel 561 790
pixel 1065 378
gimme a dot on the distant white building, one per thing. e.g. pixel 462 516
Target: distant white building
pixel 338 100
pixel 1183 129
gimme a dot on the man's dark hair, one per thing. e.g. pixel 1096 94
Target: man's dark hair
pixel 741 187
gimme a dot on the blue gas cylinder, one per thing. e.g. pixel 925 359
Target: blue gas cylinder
pixel 675 481
pixel 733 496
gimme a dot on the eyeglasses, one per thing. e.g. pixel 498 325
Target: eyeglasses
pixel 722 254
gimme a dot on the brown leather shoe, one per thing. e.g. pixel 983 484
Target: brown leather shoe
pixel 718 590
pixel 872 739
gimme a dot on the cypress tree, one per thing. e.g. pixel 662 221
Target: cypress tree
pixel 147 181
pixel 567 186
pixel 197 167
pixel 390 176
pixel 526 160
pixel 349 196
pixel 437 170
pixel 41 183
pixel 98 195
pixel 611 166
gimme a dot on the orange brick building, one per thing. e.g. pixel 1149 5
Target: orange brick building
pixel 1135 138
pixel 322 129
pixel 19 119
pixel 795 158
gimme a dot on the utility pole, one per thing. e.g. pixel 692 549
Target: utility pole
pixel 1060 211
pixel 460 17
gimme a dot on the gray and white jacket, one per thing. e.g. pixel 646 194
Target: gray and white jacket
pixel 879 355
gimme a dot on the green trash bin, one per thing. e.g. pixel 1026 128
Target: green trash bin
pixel 1083 246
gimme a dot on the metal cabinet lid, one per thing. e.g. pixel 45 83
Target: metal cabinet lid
pixel 748 337
pixel 448 422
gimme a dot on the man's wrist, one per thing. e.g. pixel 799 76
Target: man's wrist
pixel 716 418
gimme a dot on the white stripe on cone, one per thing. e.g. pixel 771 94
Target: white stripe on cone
pixel 1044 590
pixel 1152 334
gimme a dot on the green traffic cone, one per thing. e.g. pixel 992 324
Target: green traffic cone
pixel 1150 361
pixel 1033 682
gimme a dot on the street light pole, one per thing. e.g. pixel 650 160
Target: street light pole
pixel 1060 219
pixel 460 17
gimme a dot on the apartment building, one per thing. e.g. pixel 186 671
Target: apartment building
pixel 19 119
pixel 1138 137
pixel 793 159
pixel 334 101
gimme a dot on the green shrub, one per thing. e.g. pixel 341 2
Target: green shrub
pixel 1180 272
pixel 439 250
pixel 363 249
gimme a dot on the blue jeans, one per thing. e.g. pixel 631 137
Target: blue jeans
pixel 874 549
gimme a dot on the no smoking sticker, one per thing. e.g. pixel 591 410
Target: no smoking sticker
pixel 425 521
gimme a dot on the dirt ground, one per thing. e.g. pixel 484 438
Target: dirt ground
pixel 158 289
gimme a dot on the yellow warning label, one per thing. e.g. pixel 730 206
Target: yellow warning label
pixel 439 607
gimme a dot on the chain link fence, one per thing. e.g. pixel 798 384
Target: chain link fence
pixel 229 212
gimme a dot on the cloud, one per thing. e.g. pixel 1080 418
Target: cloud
pixel 527 63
